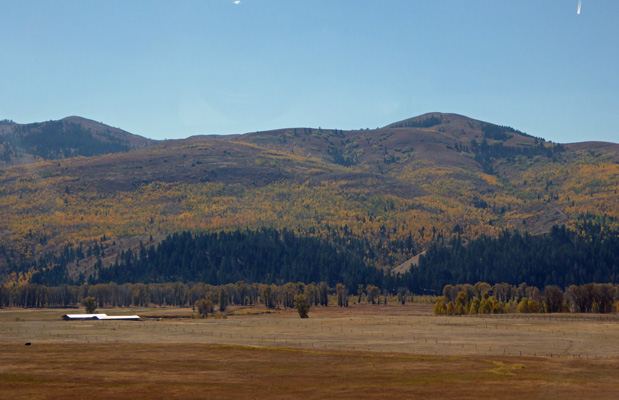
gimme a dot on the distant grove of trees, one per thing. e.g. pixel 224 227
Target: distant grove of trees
pixel 183 295
pixel 427 122
pixel 486 153
pixel 461 299
pixel 500 132
pixel 562 257
pixel 501 298
pixel 342 157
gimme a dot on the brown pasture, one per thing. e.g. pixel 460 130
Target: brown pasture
pixel 362 351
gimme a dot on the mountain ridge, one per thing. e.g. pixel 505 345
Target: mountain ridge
pixel 392 191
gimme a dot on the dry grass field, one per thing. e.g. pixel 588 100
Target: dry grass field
pixel 362 351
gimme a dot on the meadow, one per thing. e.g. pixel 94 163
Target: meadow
pixel 362 351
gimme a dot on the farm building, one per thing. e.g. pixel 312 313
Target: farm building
pixel 101 317
pixel 119 317
pixel 72 317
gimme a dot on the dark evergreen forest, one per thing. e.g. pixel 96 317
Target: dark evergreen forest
pixel 562 257
pixel 263 256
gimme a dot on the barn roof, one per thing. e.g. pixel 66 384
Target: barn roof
pixel 106 317
pixel 119 317
pixel 83 316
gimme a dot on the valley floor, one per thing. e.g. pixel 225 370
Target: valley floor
pixel 362 351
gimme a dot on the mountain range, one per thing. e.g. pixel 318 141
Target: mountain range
pixel 387 193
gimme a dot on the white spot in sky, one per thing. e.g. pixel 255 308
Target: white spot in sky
pixel 579 4
pixel 237 2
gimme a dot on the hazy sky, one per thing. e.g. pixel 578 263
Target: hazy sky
pixel 172 69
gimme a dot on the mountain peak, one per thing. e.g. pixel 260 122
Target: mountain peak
pixel 432 119
pixel 69 137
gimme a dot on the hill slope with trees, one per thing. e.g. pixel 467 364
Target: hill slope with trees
pixel 563 257
pixel 387 194
pixel 264 256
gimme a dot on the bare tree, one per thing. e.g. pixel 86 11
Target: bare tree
pixel 342 295
pixel 553 299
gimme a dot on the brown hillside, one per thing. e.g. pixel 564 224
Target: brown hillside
pixel 412 182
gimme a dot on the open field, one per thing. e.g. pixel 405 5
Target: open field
pixel 368 351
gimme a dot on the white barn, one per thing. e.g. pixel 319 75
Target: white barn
pixel 72 317
pixel 119 318
pixel 100 317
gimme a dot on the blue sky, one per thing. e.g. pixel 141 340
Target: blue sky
pixel 172 69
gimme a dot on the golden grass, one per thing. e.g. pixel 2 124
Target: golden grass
pixel 364 351
pixel 192 371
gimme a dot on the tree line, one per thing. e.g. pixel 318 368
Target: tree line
pixel 482 298
pixel 461 299
pixel 180 294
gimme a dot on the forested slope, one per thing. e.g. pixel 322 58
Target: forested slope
pixel 386 194
pixel 264 256
pixel 563 257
